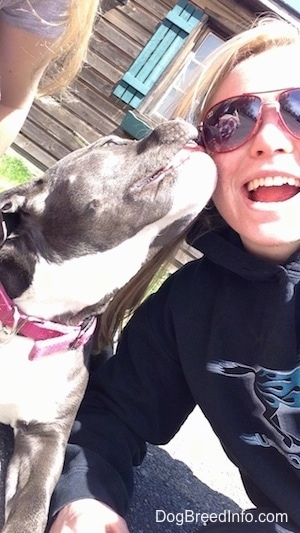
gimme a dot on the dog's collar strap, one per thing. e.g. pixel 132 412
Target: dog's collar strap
pixel 50 337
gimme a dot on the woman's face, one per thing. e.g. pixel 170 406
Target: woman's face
pixel 268 218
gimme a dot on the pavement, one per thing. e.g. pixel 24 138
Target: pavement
pixel 178 485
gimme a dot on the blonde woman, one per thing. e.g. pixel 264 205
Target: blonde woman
pixel 42 46
pixel 224 331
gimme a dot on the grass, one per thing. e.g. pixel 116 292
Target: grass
pixel 13 171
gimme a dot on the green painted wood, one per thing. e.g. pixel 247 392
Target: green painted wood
pixel 158 53
pixel 185 15
pixel 135 126
pixel 148 51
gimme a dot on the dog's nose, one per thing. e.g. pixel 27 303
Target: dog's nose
pixel 175 131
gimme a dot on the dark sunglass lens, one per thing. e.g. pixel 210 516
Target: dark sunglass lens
pixel 229 124
pixel 290 110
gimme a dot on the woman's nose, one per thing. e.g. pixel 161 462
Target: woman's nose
pixel 271 136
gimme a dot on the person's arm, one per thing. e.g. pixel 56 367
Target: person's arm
pixel 89 516
pixel 140 395
pixel 23 58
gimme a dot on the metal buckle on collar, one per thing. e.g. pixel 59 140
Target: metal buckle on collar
pixel 85 326
pixel 6 331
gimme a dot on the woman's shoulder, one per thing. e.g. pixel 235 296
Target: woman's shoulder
pixel 41 17
pixel 182 284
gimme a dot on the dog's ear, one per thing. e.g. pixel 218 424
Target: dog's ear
pixel 11 202
pixel 112 139
pixel 8 222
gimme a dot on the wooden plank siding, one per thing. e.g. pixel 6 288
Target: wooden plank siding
pixel 59 125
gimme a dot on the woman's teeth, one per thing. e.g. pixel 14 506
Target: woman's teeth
pixel 272 181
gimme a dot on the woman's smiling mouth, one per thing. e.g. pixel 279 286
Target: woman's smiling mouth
pixel 272 188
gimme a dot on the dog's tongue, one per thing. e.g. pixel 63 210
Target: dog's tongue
pixel 274 194
pixel 184 154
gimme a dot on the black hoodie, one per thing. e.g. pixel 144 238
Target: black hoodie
pixel 223 332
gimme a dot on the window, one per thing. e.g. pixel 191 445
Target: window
pixel 194 61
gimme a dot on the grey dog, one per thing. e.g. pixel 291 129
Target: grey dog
pixel 70 239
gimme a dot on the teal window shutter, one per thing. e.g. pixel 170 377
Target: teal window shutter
pixel 136 125
pixel 158 53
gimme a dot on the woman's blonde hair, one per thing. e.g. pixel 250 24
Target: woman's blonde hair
pixel 69 50
pixel 266 33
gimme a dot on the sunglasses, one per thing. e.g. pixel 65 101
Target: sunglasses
pixel 232 122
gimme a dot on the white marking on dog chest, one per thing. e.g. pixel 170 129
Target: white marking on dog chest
pixel 31 390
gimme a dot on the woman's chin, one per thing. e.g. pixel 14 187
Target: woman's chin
pixel 276 247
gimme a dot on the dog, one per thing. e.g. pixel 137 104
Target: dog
pixel 69 240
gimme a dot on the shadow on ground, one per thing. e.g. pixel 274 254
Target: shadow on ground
pixel 165 484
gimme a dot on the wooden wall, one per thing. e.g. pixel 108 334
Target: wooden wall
pixel 56 126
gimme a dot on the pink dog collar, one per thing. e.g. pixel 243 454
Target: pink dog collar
pixel 50 337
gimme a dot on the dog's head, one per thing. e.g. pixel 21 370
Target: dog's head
pixel 95 198
pixel 100 196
